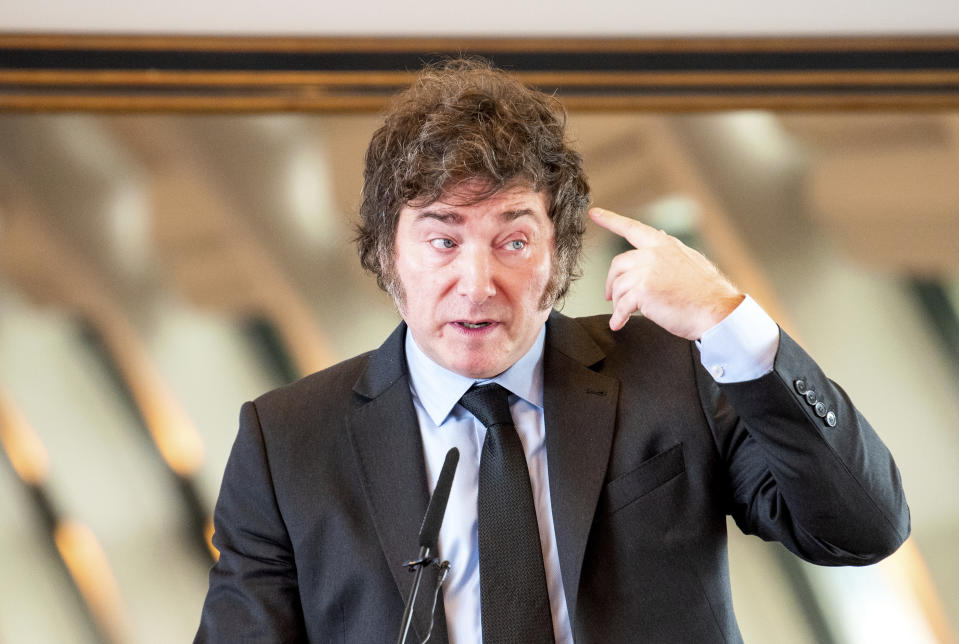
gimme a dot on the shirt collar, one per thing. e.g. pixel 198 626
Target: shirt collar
pixel 439 389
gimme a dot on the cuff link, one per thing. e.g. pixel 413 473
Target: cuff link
pixel 717 371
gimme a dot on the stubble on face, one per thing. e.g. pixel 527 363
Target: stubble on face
pixel 506 324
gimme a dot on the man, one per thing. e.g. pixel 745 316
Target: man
pixel 635 437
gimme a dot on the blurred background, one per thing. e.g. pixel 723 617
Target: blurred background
pixel 158 268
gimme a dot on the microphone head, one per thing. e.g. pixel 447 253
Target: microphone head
pixel 430 530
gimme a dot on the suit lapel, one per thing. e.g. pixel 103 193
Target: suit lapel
pixel 580 408
pixel 389 449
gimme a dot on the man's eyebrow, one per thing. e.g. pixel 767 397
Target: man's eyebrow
pixel 453 217
pixel 510 215
pixel 445 217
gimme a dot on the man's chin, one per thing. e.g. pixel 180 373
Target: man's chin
pixel 477 369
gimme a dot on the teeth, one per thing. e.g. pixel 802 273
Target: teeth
pixel 470 325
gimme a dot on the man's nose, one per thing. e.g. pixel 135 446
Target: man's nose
pixel 476 275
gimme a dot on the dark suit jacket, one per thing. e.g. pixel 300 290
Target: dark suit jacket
pixel 325 490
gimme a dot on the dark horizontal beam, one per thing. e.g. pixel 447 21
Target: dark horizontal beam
pixel 332 74
pixel 561 61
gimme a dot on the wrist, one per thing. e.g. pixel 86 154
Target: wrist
pixel 719 310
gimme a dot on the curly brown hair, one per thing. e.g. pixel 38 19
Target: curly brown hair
pixel 461 122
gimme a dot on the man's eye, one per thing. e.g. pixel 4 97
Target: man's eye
pixel 442 243
pixel 516 244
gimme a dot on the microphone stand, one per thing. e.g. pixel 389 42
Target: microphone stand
pixel 429 536
pixel 416 566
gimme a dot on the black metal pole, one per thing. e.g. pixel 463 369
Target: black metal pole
pixel 422 561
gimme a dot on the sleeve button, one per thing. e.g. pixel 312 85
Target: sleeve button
pixel 811 396
pixel 800 385
pixel 821 409
pixel 831 419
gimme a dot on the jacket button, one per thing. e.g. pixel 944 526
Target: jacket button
pixel 811 396
pixel 821 409
pixel 800 385
pixel 831 419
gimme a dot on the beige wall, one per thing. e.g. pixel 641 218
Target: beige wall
pixel 489 18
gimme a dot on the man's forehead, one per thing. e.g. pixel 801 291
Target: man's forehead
pixel 510 203
pixel 465 192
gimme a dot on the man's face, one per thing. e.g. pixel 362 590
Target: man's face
pixel 473 278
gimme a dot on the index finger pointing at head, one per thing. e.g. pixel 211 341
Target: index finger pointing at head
pixel 635 232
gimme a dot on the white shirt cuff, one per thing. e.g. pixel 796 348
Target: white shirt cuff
pixel 742 346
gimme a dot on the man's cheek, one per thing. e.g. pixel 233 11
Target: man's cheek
pixel 550 286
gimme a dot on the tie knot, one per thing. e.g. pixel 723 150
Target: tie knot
pixel 489 403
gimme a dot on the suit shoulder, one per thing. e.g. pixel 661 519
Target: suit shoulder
pixel 639 334
pixel 330 386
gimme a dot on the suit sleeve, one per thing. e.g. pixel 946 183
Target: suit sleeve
pixel 805 469
pixel 253 595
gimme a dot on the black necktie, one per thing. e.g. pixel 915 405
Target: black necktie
pixel 513 595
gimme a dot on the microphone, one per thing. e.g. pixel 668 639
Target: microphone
pixel 436 510
pixel 429 536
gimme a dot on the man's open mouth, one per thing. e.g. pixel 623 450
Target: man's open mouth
pixel 473 325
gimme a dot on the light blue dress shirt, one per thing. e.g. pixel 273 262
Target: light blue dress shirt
pixel 741 347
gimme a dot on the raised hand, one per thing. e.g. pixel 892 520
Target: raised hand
pixel 666 281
